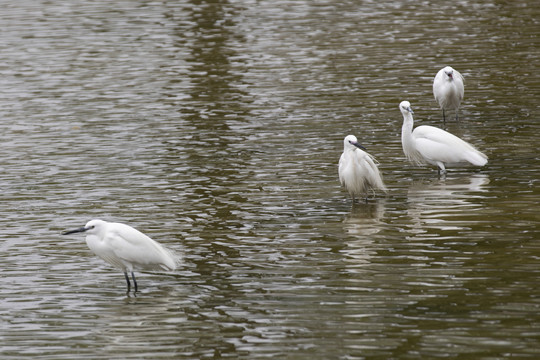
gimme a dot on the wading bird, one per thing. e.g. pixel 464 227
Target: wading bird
pixel 358 171
pixel 430 145
pixel 448 89
pixel 126 248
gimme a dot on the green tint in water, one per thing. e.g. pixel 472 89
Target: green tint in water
pixel 216 129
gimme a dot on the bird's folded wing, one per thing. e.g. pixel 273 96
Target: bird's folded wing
pixel 138 249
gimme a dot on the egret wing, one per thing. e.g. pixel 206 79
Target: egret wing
pixel 344 168
pixel 438 145
pixel 370 166
pixel 358 172
pixel 459 84
pixel 139 250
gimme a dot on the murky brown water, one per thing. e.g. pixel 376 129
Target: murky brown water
pixel 216 127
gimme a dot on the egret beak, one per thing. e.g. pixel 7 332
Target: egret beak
pixel 409 109
pixel 81 229
pixel 357 144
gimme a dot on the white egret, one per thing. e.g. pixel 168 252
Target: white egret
pixel 126 248
pixel 358 171
pixel 448 89
pixel 431 145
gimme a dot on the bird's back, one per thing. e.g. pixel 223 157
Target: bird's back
pixel 137 250
pixel 438 145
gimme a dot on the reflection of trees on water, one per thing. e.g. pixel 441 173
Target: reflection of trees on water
pixel 208 145
pixel 211 152
pixel 214 71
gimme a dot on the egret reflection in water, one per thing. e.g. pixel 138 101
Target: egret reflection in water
pixel 361 224
pixel 440 203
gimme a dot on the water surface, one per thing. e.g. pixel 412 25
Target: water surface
pixel 215 128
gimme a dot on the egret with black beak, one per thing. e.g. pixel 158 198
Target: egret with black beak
pixel 126 248
pixel 358 171
pixel 430 145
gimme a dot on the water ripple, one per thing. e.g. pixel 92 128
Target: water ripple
pixel 216 129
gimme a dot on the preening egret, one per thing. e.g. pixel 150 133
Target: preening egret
pixel 358 171
pixel 126 248
pixel 431 145
pixel 448 89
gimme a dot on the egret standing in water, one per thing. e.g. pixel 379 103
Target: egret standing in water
pixel 126 248
pixel 358 171
pixel 430 145
pixel 448 89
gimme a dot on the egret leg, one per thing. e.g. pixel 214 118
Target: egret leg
pixel 128 283
pixel 372 193
pixel 134 281
pixel 440 168
pixel 443 117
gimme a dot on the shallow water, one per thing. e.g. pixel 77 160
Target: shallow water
pixel 215 128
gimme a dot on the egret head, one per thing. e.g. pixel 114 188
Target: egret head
pixel 405 107
pixel 350 142
pixel 449 72
pixel 91 227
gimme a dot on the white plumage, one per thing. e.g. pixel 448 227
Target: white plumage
pixel 448 89
pixel 126 248
pixel 431 145
pixel 358 171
